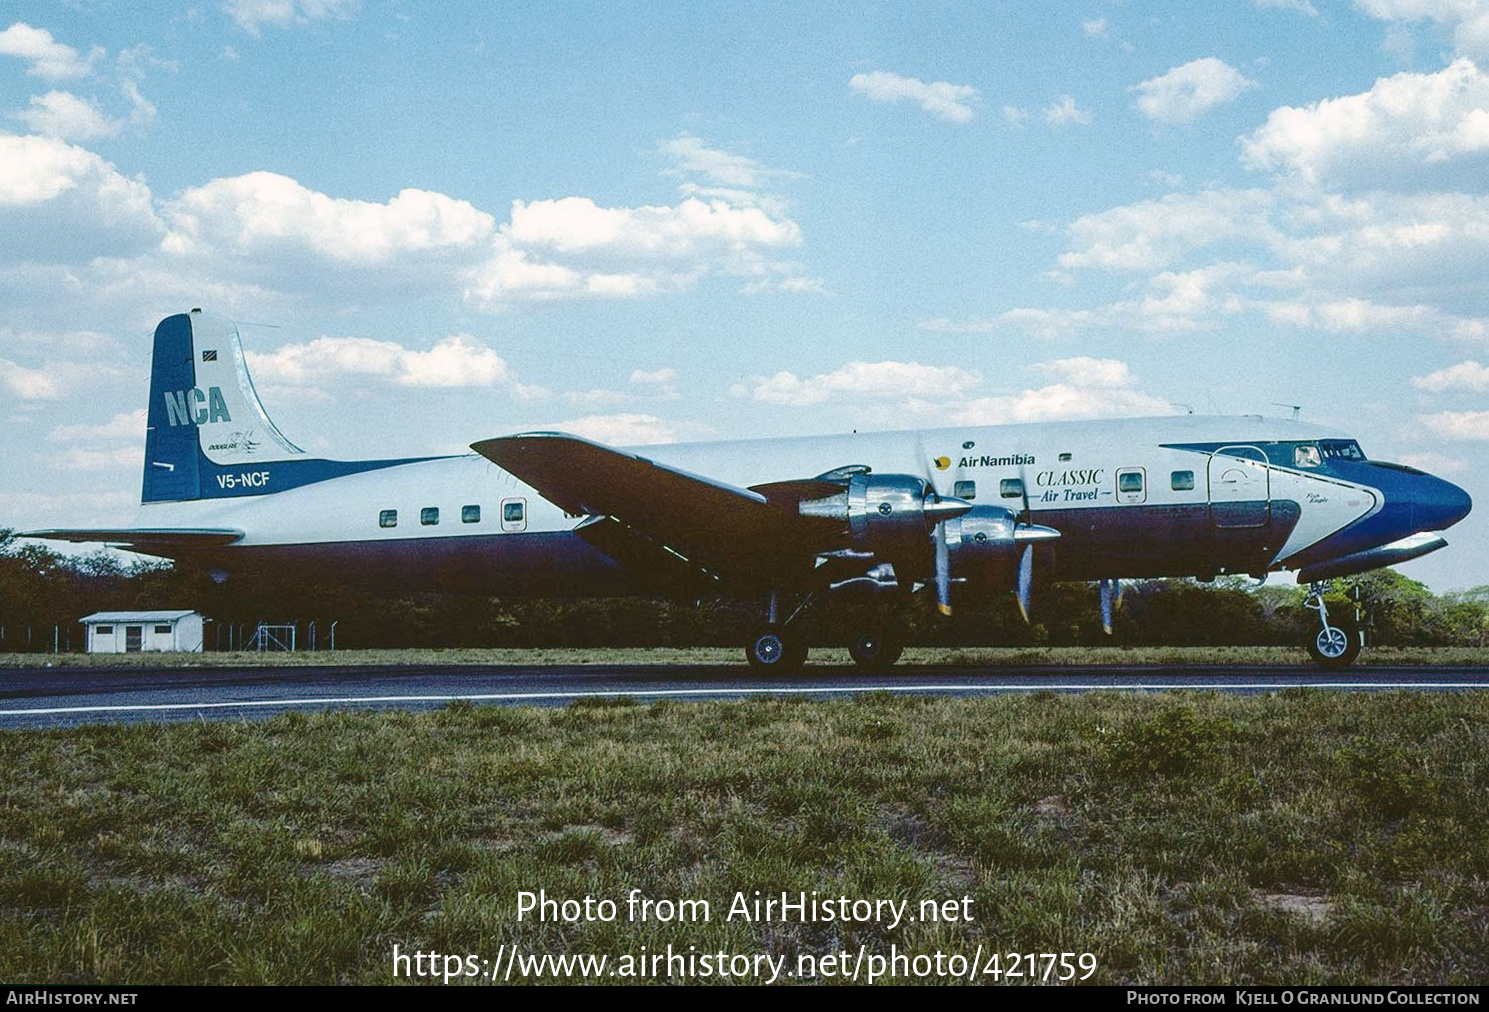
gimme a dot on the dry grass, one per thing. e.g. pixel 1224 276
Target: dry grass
pixel 1298 838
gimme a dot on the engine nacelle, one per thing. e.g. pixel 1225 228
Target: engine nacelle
pixel 890 515
pixel 887 514
pixel 983 549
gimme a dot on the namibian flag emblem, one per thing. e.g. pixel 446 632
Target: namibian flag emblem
pixel 209 356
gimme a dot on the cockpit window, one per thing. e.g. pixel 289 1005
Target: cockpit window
pixel 1306 455
pixel 1341 449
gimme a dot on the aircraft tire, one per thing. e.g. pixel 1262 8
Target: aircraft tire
pixel 1336 647
pixel 771 648
pixel 875 649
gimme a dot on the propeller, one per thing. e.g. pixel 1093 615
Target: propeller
pixel 1111 597
pixel 943 570
pixel 939 509
pixel 946 509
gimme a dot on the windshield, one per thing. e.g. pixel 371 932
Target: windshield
pixel 1341 449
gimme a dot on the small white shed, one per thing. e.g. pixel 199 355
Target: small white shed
pixel 128 632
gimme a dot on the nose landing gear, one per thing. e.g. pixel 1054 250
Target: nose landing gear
pixel 1337 642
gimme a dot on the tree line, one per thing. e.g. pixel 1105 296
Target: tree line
pixel 43 594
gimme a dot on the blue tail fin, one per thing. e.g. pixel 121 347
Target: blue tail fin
pixel 208 435
pixel 207 431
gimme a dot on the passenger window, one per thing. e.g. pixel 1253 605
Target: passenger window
pixel 1011 488
pixel 470 514
pixel 1183 481
pixel 1130 485
pixel 514 515
pixel 429 516
pixel 964 489
pixel 387 518
pixel 1306 455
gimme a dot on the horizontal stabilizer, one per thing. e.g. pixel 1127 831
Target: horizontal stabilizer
pixel 147 539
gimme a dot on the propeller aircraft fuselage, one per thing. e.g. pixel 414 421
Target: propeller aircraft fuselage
pixel 961 512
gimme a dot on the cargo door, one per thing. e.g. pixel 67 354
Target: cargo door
pixel 1240 488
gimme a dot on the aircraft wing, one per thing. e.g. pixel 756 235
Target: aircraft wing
pixel 717 526
pixel 167 541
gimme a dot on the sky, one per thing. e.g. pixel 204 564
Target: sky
pixel 671 221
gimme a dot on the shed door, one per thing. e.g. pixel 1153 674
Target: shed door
pixel 133 635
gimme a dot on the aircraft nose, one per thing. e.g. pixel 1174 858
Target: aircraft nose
pixel 1445 505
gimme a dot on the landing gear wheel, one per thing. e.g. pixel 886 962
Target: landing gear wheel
pixel 771 648
pixel 1336 646
pixel 875 649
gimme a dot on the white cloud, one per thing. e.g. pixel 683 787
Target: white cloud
pixel 1094 28
pixel 251 15
pixel 1465 376
pixel 691 154
pixel 458 361
pixel 1468 20
pixel 94 458
pixel 1088 372
pixel 1156 233
pixel 1173 302
pixel 49 59
pixel 1434 463
pixel 261 239
pixel 1088 388
pixel 628 429
pixel 1354 315
pixel 1065 112
pixel 28 384
pixel 662 376
pixel 127 425
pixel 1410 130
pixel 264 212
pixel 578 224
pixel 1458 424
pixel 61 202
pixel 1059 402
pixel 951 102
pixel 873 380
pixel 65 115
pixel 1190 90
pixel 574 248
pixel 118 444
pixel 1014 116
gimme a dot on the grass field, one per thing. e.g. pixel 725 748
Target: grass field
pixel 1303 837
pixel 969 656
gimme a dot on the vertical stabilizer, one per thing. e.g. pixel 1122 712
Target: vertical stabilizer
pixel 205 419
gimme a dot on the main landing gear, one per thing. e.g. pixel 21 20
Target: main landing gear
pixel 775 646
pixel 1337 642
pixel 779 646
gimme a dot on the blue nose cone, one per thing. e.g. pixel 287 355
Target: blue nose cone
pixel 1443 505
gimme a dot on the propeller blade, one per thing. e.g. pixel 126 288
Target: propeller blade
pixel 1026 580
pixel 1024 487
pixel 943 571
pixel 1108 594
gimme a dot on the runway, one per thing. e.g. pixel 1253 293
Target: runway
pixel 62 697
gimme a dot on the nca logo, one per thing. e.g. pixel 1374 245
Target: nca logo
pixel 192 407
